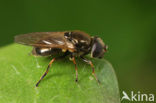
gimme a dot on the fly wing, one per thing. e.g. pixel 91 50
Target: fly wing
pixel 43 39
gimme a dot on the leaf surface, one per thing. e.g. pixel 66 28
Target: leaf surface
pixel 20 71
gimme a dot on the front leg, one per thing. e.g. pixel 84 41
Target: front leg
pixel 92 66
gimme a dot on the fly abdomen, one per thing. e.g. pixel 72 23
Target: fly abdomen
pixel 45 51
pixel 41 51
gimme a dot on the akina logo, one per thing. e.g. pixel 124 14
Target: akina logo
pixel 137 96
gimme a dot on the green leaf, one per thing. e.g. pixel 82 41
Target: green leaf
pixel 20 71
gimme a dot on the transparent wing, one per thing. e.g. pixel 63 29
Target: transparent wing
pixel 42 39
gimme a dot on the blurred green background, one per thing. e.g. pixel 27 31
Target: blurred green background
pixel 128 27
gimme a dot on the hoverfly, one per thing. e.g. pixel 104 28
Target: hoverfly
pixel 70 43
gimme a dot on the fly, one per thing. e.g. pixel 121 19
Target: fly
pixel 70 43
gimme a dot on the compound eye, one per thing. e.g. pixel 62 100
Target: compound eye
pixel 97 51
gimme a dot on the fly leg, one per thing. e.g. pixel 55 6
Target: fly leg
pixel 57 58
pixel 45 72
pixel 73 59
pixel 92 66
